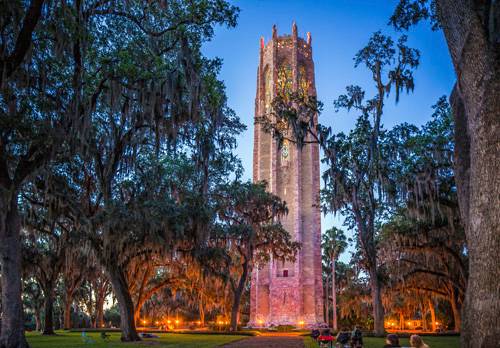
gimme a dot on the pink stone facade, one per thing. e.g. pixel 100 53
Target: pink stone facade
pixel 288 293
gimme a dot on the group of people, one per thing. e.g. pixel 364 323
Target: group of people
pixel 344 339
pixel 392 341
pixel 354 339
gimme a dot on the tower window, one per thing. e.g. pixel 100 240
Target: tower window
pixel 285 273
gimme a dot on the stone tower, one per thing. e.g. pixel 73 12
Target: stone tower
pixel 288 293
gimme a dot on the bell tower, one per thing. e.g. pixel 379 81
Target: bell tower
pixel 288 293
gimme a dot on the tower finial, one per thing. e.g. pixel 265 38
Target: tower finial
pixel 275 31
pixel 262 43
pixel 294 29
pixel 309 39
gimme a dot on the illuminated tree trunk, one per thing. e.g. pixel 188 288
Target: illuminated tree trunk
pixel 378 309
pixel 237 292
pixel 424 316
pixel 433 315
pixel 99 312
pixel 201 311
pixel 68 301
pixel 456 312
pixel 125 304
pixel 67 315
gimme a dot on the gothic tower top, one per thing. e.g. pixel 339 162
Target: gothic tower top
pixel 288 41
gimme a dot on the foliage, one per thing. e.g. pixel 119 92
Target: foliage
pixel 410 12
pixel 423 242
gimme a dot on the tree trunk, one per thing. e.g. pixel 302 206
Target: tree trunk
pixel 67 310
pixel 456 312
pixel 12 329
pixel 334 298
pixel 120 288
pixel 433 315
pixel 38 321
pixel 99 312
pixel 471 31
pixel 327 304
pixel 424 316
pixel 378 309
pixel 48 321
pixel 201 310
pixel 235 309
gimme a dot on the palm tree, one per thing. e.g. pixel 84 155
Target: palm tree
pixel 333 243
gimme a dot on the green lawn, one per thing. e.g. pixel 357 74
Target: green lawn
pixel 375 342
pixel 74 340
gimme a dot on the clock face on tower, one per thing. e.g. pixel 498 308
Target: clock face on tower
pixel 285 150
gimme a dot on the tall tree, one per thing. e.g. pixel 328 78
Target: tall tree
pixel 32 131
pixel 333 244
pixel 355 180
pixel 472 31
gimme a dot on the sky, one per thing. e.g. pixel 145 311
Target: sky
pixel 339 29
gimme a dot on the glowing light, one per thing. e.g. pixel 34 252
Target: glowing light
pixel 156 322
pixel 169 321
pixel 198 322
pixel 260 322
pixel 301 322
pixel 409 323
pixel 437 323
pixel 144 321
pixel 177 321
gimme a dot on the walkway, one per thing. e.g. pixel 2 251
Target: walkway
pixel 269 340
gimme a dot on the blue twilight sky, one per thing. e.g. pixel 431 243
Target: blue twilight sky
pixel 339 28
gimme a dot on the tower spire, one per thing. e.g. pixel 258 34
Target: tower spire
pixel 294 29
pixel 275 31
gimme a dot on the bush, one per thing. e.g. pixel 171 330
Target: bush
pixel 285 328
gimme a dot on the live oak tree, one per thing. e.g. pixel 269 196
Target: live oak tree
pixel 472 31
pixel 91 58
pixel 423 243
pixel 32 130
pixel 45 238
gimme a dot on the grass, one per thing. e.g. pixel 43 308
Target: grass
pixel 376 342
pixel 65 339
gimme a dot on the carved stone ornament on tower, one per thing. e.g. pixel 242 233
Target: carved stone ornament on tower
pixel 288 293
